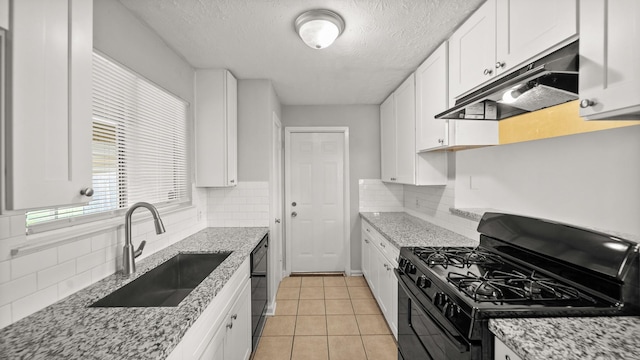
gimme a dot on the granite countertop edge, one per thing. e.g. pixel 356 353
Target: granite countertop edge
pixel 70 329
pixel 402 230
pixel 576 338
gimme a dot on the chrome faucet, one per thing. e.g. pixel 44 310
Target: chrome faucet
pixel 128 255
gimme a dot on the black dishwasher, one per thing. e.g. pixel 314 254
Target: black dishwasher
pixel 259 288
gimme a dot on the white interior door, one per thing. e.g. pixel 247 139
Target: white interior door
pixel 315 202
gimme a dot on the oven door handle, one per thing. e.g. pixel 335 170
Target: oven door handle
pixel 461 346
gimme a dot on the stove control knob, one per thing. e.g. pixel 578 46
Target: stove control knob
pixel 410 268
pixel 452 310
pixel 440 299
pixel 423 282
pixel 402 263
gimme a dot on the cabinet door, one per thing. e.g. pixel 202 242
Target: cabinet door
pixel 555 23
pixel 366 262
pixel 216 128
pixel 379 266
pixel 609 58
pixel 405 98
pixel 472 50
pixel 215 350
pixel 388 139
pixel 49 155
pixel 502 352
pixel 232 129
pixel 390 297
pixel 431 99
pixel 238 338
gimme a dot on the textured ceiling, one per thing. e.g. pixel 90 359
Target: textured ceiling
pixel 383 42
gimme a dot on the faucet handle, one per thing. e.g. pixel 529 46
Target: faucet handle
pixel 140 248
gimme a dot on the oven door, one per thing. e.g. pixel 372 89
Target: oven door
pixel 423 333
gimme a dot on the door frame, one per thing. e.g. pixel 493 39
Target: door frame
pixel 276 208
pixel 346 198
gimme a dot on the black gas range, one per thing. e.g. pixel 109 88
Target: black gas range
pixel 523 267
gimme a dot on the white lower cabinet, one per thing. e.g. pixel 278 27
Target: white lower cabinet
pixel 378 261
pixel 223 330
pixel 502 352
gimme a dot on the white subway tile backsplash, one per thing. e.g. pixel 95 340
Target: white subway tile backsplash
pixel 245 205
pixel 5 271
pixel 5 315
pixel 73 284
pixel 18 225
pixel 73 250
pixel 5 226
pixel 17 288
pixel 91 260
pixel 34 302
pixel 102 271
pixel 33 262
pixel 55 274
pixel 103 240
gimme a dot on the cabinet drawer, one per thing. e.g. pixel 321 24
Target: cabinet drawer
pixel 381 243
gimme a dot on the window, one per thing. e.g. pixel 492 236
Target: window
pixel 139 147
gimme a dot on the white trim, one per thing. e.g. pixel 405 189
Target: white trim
pixel 275 267
pixel 346 194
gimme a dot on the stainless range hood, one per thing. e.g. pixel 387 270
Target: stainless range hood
pixel 549 81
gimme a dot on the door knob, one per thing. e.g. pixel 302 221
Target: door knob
pixel 294 214
pixel 277 221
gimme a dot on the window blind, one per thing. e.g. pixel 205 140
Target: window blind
pixel 139 146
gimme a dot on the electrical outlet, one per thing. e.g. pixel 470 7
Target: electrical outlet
pixel 199 215
pixel 417 202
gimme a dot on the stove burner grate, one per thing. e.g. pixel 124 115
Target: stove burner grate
pixel 459 257
pixel 500 286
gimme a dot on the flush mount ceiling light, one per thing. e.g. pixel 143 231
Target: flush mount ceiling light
pixel 319 28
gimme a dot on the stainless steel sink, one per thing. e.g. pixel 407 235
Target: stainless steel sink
pixel 167 284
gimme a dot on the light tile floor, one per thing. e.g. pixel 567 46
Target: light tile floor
pixel 322 318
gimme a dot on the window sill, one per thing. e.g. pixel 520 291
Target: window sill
pixel 48 239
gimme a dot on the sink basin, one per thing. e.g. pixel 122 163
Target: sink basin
pixel 167 284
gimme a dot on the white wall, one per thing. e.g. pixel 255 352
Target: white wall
pixel 364 148
pixel 590 179
pixel 35 280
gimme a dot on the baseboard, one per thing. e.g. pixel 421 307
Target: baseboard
pixel 356 273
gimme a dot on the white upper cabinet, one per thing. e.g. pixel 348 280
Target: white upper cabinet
pixel 405 99
pixel 526 29
pixel 48 157
pixel 388 139
pixel 504 34
pixel 609 59
pixel 4 14
pixel 216 128
pixel 472 50
pixel 431 99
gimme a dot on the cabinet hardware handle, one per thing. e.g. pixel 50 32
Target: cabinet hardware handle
pixel 87 192
pixel 230 325
pixel 367 230
pixel 366 241
pixel 386 266
pixel 507 357
pixel 441 141
pixel 500 64
pixel 277 221
pixel 488 71
pixel 294 214
pixel 586 103
pixel 232 181
pixel 234 316
pixel 381 244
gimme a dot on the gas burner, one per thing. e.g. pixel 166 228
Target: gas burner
pixel 459 257
pixel 499 286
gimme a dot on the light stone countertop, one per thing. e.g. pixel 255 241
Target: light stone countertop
pixel 402 229
pixel 69 329
pixel 587 338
